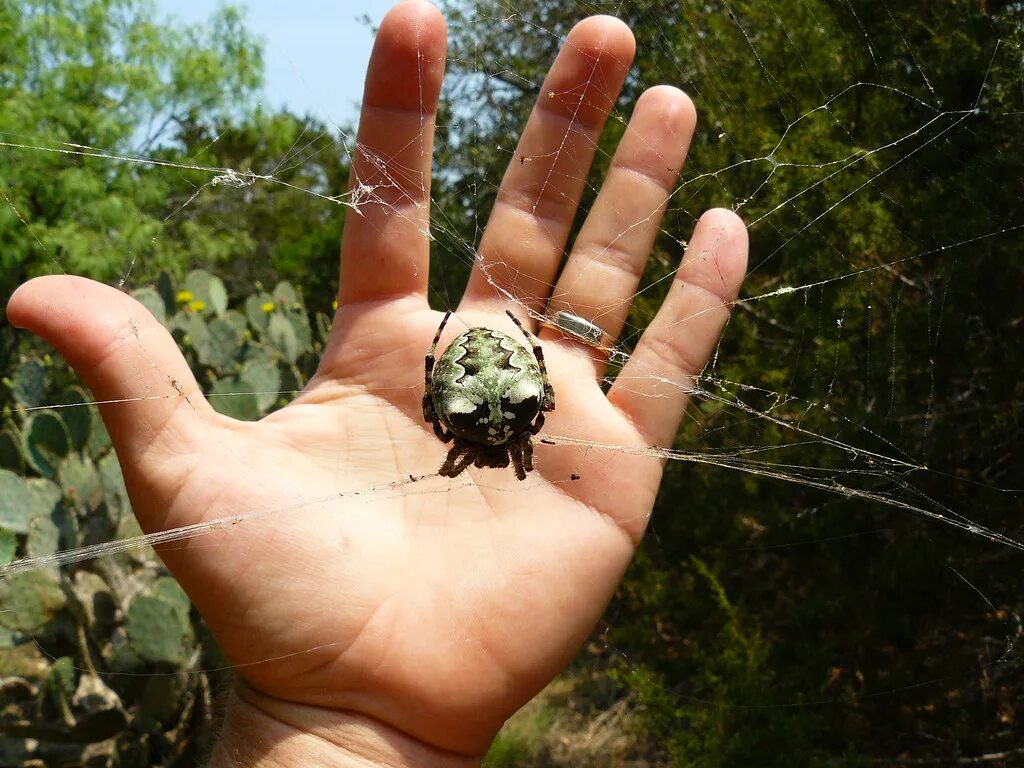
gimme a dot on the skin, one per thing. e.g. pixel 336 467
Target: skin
pixel 387 628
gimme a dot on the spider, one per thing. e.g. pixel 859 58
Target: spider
pixel 489 395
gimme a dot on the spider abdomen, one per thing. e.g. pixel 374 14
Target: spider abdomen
pixel 487 388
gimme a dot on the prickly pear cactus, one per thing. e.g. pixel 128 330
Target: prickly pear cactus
pixel 244 353
pixel 103 662
pixel 28 383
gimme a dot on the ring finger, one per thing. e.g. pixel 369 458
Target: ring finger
pixel 608 258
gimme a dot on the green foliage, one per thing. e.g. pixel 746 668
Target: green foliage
pixel 46 441
pixel 282 335
pixel 11 456
pixel 43 536
pixel 14 502
pixel 77 419
pixel 509 751
pixel 80 481
pixel 110 75
pixel 159 630
pixel 291 225
pixel 113 486
pixel 8 545
pixel 56 626
pixel 30 601
pixel 43 497
pixel 719 721
pixel 28 383
pixel 262 379
pixel 242 355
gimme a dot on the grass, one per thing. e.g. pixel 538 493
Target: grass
pixel 571 724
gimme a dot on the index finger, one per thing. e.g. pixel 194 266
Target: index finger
pixel 385 247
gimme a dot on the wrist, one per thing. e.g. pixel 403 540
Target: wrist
pixel 263 732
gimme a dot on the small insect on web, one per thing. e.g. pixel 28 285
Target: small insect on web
pixel 488 394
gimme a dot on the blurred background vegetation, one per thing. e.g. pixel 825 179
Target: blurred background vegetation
pixel 774 616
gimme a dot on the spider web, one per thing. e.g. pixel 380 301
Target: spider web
pixel 853 414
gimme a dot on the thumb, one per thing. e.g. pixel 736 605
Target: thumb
pixel 128 359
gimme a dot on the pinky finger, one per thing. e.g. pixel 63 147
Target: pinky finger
pixel 653 388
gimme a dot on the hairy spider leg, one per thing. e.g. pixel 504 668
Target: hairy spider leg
pixel 451 467
pixel 538 352
pixel 538 424
pixel 527 445
pixel 521 451
pixel 429 413
pixel 488 457
pixel 437 337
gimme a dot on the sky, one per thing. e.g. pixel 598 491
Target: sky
pixel 315 51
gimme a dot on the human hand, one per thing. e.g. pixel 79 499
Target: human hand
pixel 404 625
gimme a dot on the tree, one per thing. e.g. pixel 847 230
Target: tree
pixel 90 96
pixel 285 196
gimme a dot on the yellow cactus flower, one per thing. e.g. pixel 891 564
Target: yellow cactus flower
pixel 267 306
pixel 197 306
pixel 184 297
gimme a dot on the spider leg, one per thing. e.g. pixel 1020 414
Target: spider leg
pixel 444 437
pixel 490 457
pixel 453 465
pixel 430 416
pixel 429 412
pixel 549 393
pixel 538 424
pixel 527 449
pixel 519 461
pixel 437 336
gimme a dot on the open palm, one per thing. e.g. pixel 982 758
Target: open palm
pixel 433 606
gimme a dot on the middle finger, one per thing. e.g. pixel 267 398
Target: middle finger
pixel 536 203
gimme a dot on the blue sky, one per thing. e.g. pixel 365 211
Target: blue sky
pixel 315 51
